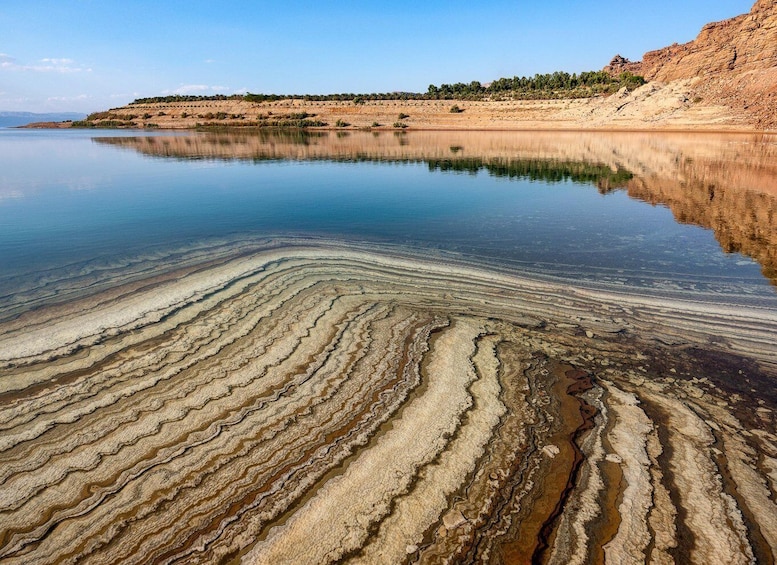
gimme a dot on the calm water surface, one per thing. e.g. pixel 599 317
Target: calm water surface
pixel 68 197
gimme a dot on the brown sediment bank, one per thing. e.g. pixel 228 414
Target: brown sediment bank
pixel 318 401
pixel 654 106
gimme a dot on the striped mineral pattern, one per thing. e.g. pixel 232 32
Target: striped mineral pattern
pixel 314 402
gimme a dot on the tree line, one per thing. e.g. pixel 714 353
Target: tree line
pixel 541 86
pixel 550 85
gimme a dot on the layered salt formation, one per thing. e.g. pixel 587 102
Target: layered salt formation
pixel 316 403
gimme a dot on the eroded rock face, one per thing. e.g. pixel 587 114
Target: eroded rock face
pixel 735 61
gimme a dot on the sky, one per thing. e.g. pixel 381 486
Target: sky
pixel 91 55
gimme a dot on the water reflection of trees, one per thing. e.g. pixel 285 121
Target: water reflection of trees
pixel 544 170
pixel 726 182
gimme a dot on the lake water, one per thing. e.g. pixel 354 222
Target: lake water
pixel 593 207
pixel 386 348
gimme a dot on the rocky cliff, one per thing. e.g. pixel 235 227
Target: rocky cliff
pixel 733 62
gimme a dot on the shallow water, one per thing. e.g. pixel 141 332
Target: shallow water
pixel 528 201
pixel 387 348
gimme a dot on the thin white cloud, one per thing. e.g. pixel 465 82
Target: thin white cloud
pixel 6 61
pixel 187 89
pixel 209 61
pixel 18 100
pixel 196 89
pixel 58 61
pixel 125 95
pixel 68 98
pixel 47 65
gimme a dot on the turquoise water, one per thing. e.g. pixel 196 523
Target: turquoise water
pixel 66 197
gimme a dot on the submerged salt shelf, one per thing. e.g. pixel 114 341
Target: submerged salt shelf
pixel 478 348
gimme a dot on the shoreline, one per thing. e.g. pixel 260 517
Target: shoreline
pixel 328 129
pixel 655 106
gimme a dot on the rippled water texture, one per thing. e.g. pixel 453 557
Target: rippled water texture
pixel 378 348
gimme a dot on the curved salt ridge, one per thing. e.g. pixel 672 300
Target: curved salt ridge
pixel 345 508
pixel 628 439
pixel 314 402
pixel 574 541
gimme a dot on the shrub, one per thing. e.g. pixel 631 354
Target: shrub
pixel 455 109
pixel 402 116
pixel 400 124
pixel 341 124
pixel 375 125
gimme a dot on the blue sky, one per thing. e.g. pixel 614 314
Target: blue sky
pixel 88 55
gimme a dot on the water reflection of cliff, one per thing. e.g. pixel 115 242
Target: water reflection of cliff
pixel 723 182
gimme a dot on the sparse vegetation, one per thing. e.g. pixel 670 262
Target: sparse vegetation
pixel 292 120
pixel 107 124
pixel 550 86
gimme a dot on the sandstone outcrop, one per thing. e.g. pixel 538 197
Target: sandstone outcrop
pixel 733 62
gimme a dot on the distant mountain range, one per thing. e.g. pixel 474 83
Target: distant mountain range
pixel 13 119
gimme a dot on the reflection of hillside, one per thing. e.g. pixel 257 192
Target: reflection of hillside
pixel 743 221
pixel 724 182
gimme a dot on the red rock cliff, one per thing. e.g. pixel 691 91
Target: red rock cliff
pixel 734 60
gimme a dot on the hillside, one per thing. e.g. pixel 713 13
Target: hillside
pixel 668 106
pixel 725 79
